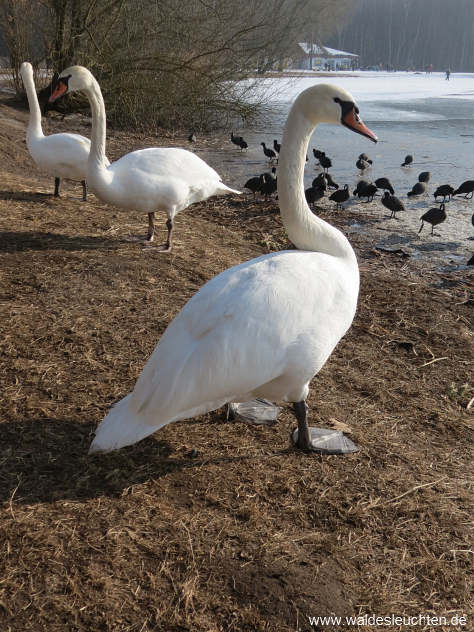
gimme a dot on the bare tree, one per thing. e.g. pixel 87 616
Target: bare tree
pixel 168 63
pixel 411 33
pixel 20 18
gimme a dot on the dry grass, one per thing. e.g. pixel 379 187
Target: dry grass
pixel 247 534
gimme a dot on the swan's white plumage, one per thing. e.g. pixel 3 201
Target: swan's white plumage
pixel 226 345
pixel 158 179
pixel 154 179
pixel 263 328
pixel 59 155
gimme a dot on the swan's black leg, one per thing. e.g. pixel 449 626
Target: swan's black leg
pixel 84 191
pixel 56 187
pixel 151 226
pixel 229 413
pixel 166 247
pixel 169 226
pixel 301 412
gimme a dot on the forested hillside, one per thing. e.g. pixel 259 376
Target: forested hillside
pixel 411 34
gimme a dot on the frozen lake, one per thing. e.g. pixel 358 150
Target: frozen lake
pixel 423 115
pixel 418 114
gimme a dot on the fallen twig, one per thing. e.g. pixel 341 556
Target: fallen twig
pixel 432 361
pixel 409 491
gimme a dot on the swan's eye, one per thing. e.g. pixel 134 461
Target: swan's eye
pixel 60 88
pixel 346 107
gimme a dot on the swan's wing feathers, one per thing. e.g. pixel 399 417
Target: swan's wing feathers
pixel 70 143
pixel 241 331
pixel 168 162
pixel 216 347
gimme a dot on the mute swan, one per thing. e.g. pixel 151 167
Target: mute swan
pixel 261 329
pixel 147 180
pixel 60 155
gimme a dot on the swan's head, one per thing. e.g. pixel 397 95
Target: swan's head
pixel 326 103
pixel 26 69
pixel 72 79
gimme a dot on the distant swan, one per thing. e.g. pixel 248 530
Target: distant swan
pixel 59 155
pixel 147 180
pixel 263 328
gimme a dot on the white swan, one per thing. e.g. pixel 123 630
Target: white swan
pixel 59 155
pixel 263 328
pixel 148 180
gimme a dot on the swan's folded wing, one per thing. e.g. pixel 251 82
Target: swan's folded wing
pixel 275 316
pixel 73 142
pixel 219 346
pixel 169 162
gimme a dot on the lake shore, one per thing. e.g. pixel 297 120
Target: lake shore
pixel 211 525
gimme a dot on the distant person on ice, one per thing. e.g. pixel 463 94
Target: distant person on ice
pixel 448 72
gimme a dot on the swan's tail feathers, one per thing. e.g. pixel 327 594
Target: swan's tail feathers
pixel 224 189
pixel 122 426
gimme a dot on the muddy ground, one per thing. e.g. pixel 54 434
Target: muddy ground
pixel 211 525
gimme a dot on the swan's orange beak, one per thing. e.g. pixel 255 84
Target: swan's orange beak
pixel 59 91
pixel 353 121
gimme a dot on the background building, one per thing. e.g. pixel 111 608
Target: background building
pixel 314 57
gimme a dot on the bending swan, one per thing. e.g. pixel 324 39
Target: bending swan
pixel 263 328
pixel 148 180
pixel 59 155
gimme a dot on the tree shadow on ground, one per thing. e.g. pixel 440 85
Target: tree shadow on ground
pixel 26 196
pixel 18 241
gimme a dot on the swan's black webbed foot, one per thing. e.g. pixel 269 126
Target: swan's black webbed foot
pixel 166 247
pixel 229 412
pixel 163 248
pixel 319 440
pixel 255 412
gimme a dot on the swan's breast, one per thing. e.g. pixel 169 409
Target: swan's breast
pixel 61 155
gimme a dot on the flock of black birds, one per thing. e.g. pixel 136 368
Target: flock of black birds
pixel 266 184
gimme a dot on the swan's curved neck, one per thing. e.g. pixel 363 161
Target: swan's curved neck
pixel 97 151
pixel 306 230
pixel 34 124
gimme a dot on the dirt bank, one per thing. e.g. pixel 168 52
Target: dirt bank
pixel 243 533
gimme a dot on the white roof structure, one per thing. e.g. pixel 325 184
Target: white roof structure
pixel 324 50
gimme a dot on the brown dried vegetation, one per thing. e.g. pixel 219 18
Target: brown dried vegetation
pixel 245 534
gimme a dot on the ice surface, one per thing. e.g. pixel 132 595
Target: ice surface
pixel 377 86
